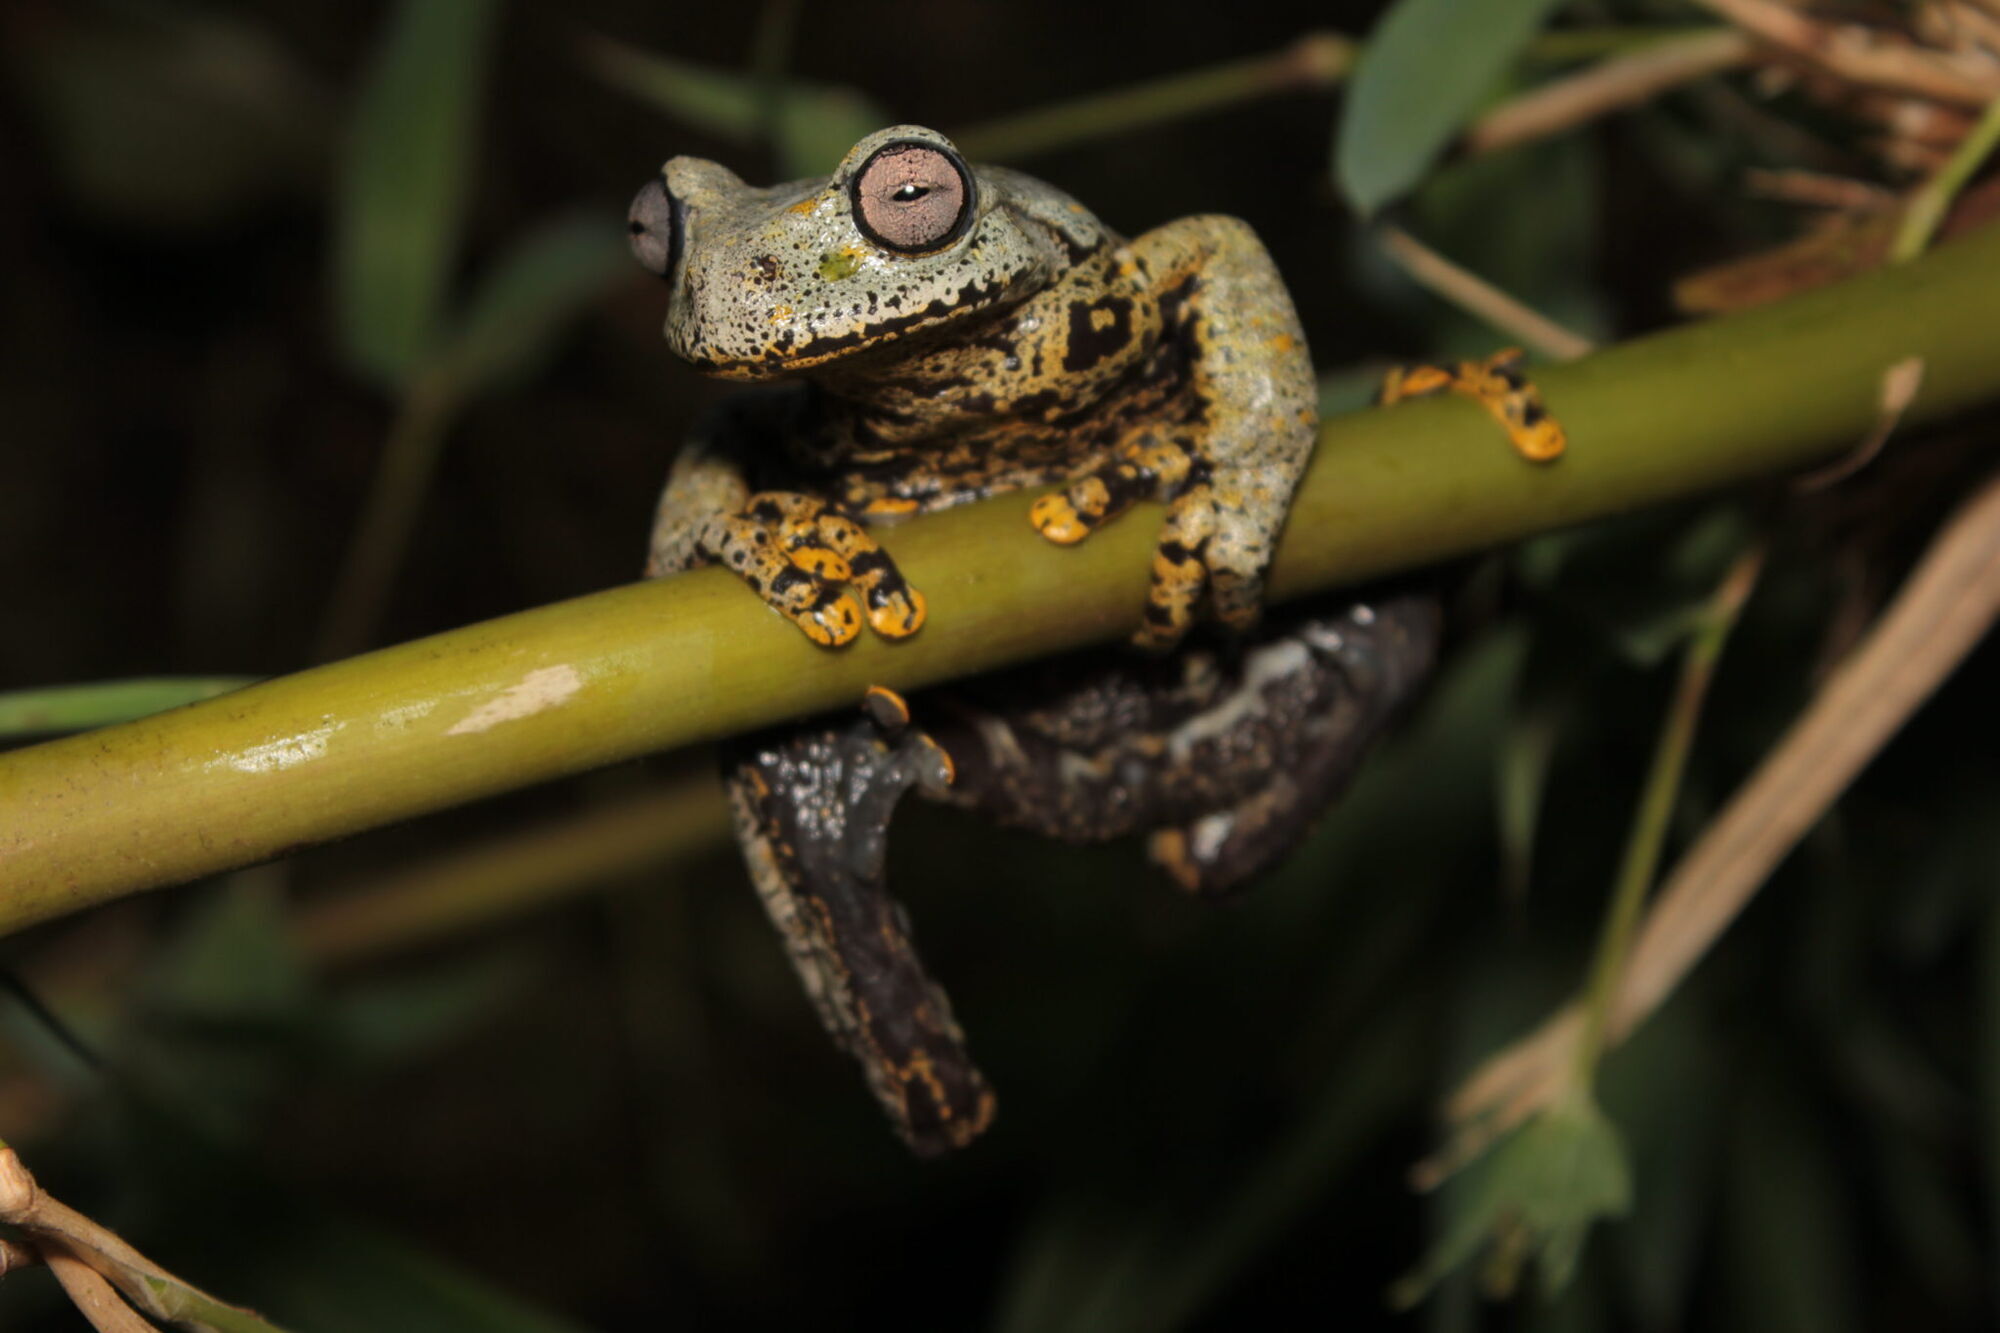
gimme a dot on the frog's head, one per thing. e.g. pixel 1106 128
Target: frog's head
pixel 902 239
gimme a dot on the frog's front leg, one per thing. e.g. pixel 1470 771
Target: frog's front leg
pixel 799 552
pixel 812 807
pixel 1497 385
pixel 1228 470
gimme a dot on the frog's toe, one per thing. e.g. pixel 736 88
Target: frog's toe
pixel 1058 519
pixel 820 561
pixel 895 609
pixel 831 623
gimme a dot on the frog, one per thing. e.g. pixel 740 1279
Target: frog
pixel 915 333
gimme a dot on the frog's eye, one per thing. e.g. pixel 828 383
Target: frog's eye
pixel 912 197
pixel 654 223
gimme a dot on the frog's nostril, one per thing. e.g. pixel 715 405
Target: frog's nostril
pixel 654 224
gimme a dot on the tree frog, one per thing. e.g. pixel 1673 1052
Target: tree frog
pixel 945 333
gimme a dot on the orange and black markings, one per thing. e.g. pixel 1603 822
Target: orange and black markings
pixel 801 554
pixel 1497 385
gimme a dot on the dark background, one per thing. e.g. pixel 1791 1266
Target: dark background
pixel 618 1111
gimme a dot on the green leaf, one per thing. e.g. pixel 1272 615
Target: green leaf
pixel 1427 67
pixel 541 284
pixel 81 707
pixel 404 183
pixel 165 117
pixel 815 124
pixel 1535 1196
pixel 384 1021
pixel 232 960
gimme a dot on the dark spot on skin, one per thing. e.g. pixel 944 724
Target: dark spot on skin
pixel 767 266
pixel 1088 343
pixel 1532 414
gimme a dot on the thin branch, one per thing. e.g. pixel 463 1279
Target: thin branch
pixel 93 1295
pixel 506 876
pixel 62 1235
pixel 1318 60
pixel 565 688
pixel 1657 801
pixel 1933 201
pixel 1945 607
pixel 1855 54
pixel 1468 291
pixel 1623 81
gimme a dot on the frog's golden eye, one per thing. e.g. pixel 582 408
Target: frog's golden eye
pixel 655 225
pixel 912 196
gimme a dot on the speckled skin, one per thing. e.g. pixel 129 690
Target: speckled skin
pixel 1031 347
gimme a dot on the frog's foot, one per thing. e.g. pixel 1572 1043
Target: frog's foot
pixel 1311 702
pixel 1497 385
pixel 801 554
pixel 1142 465
pixel 1216 541
pixel 812 808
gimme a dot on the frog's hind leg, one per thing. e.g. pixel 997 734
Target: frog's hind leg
pixel 1224 757
pixel 1329 686
pixel 812 806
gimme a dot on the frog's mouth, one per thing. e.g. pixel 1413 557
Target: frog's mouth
pixel 794 349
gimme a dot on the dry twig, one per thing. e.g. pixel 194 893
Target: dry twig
pixel 1942 611
pixel 1481 298
pixel 1859 55
pixel 1614 85
pixel 67 1239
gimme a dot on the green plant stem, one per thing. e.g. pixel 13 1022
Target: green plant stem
pixel 510 875
pixel 1641 862
pixel 1316 60
pixel 382 534
pixel 564 688
pixel 770 52
pixel 1929 205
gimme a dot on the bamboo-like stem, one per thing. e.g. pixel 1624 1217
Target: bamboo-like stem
pixel 564 688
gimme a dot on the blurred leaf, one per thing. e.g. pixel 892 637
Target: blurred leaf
pixel 384 1020
pixel 1527 748
pixel 232 959
pixel 1348 389
pixel 162 116
pixel 1535 1196
pixel 1988 1058
pixel 340 1277
pixel 544 281
pixel 1664 1089
pixel 1426 68
pixel 815 125
pixel 404 185
pixel 1790 1245
pixel 81 707
pixel 1474 211
pixel 226 1007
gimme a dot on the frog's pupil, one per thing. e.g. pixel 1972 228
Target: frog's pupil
pixel 910 193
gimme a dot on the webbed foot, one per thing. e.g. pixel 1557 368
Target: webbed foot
pixel 802 555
